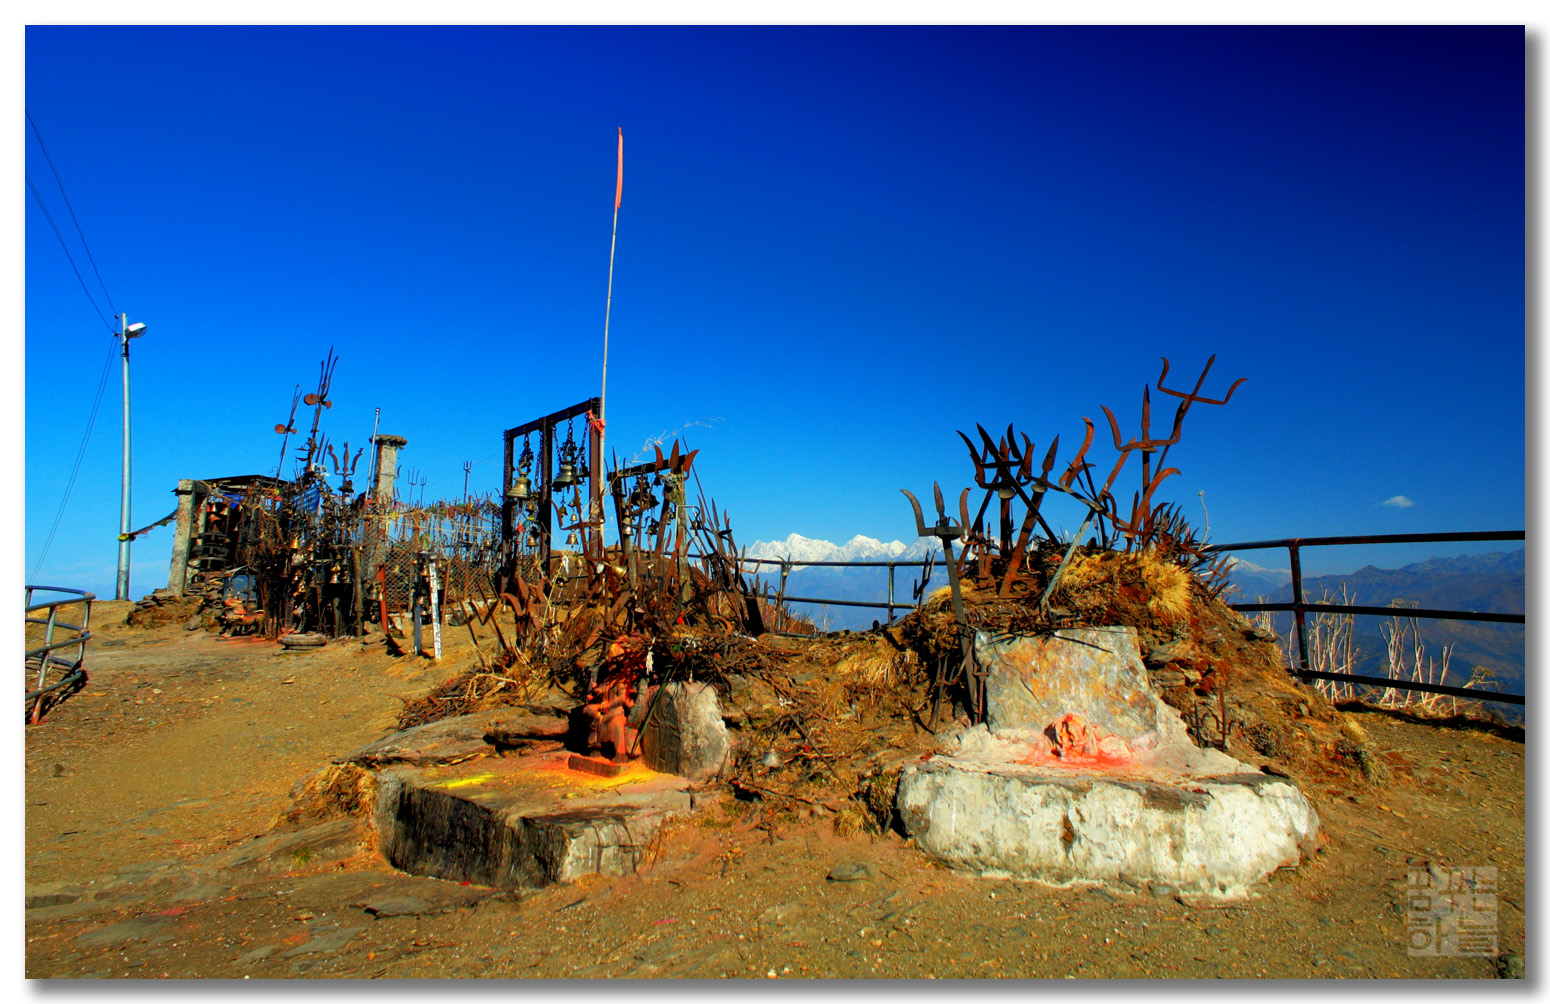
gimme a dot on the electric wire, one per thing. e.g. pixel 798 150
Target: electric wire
pixel 61 182
pixel 102 381
pixel 34 189
pixel 80 455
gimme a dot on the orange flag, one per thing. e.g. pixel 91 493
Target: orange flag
pixel 619 189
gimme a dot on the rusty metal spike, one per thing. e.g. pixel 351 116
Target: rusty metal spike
pixel 990 444
pixel 963 509
pixel 1146 413
pixel 1157 479
pixel 970 444
pixel 1049 458
pixel 1078 464
pixel 1202 381
pixel 1194 396
pixel 936 491
pixel 1114 427
pixel 979 462
pixel 1119 465
pixel 920 519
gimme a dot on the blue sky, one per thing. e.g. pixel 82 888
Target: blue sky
pixel 837 247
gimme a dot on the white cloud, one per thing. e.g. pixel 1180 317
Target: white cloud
pixel 1399 502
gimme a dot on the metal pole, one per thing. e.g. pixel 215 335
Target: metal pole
pixel 435 611
pixel 1298 609
pixel 371 483
pixel 121 590
pixel 609 304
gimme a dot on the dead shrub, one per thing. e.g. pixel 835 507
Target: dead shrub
pixel 342 789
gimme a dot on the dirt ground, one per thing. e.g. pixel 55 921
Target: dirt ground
pixel 150 796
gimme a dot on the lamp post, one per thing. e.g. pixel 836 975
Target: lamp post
pixel 121 591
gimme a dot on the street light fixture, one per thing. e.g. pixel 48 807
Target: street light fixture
pixel 121 591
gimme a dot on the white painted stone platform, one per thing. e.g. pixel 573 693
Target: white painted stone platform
pixel 1145 809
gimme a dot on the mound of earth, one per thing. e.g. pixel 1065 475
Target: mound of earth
pixel 1225 675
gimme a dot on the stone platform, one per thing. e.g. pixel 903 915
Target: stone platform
pixel 451 803
pixel 523 822
pixel 1210 836
pixel 1083 775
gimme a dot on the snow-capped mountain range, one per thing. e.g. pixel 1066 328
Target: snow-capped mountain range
pixel 862 548
pixel 857 548
pixel 871 584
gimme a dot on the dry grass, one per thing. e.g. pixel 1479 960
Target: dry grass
pixel 1169 587
pixel 879 666
pixel 336 791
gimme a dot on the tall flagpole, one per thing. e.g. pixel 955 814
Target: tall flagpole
pixel 602 403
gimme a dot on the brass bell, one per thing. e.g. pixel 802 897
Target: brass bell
pixel 573 539
pixel 521 489
pixel 567 476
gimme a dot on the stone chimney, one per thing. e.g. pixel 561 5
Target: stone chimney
pixel 387 465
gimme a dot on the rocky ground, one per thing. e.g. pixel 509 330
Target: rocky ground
pixel 150 798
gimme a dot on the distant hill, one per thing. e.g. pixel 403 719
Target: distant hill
pixel 1253 581
pixel 1484 583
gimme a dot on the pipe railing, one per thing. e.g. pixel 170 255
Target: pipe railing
pixel 787 564
pixel 1299 607
pixel 42 660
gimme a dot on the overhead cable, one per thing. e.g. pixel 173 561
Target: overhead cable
pixel 44 147
pixel 68 256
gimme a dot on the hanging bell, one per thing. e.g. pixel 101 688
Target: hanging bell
pixel 532 538
pixel 573 539
pixel 1004 487
pixel 567 476
pixel 521 489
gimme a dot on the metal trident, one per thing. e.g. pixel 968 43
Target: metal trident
pixel 945 530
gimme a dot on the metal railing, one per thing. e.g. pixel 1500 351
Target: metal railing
pixel 787 564
pixel 1298 607
pixel 42 660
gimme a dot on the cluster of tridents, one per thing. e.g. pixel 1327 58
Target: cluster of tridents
pixel 1005 469
pixel 626 604
pixel 295 540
